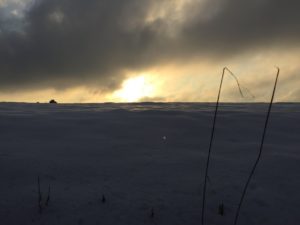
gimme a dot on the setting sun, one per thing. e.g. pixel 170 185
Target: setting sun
pixel 135 89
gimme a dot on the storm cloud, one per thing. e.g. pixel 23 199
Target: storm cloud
pixel 64 43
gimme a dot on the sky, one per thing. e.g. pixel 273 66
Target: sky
pixel 148 50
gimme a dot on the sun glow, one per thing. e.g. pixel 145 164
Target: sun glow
pixel 134 89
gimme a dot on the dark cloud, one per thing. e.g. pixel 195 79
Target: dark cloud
pixel 68 42
pixel 239 25
pixel 62 43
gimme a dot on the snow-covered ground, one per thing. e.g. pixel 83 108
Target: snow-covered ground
pixel 145 157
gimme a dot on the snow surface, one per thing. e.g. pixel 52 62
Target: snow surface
pixel 147 157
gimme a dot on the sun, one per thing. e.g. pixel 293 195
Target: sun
pixel 134 89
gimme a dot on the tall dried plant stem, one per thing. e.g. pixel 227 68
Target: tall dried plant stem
pixel 213 134
pixel 210 147
pixel 260 151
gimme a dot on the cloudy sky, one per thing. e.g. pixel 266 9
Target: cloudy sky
pixel 147 50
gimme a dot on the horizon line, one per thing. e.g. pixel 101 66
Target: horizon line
pixel 150 102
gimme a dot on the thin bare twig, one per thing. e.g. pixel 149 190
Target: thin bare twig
pixel 39 196
pixel 239 85
pixel 48 197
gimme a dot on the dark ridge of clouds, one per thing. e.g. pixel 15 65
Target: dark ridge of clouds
pixel 240 25
pixel 87 41
pixel 64 43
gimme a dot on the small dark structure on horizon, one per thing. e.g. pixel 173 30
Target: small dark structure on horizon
pixel 52 101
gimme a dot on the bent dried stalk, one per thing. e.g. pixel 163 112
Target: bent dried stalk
pixel 260 151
